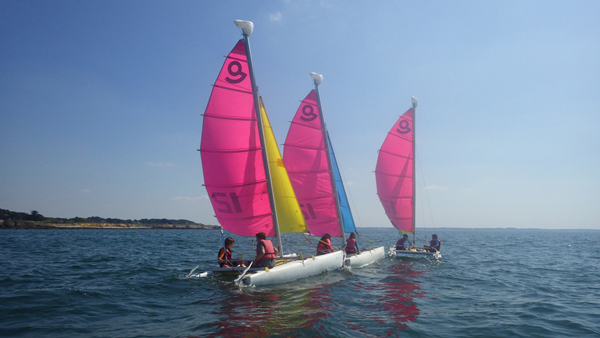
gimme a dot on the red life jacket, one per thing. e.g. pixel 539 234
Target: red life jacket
pixel 325 246
pixel 351 245
pixel 226 257
pixel 269 251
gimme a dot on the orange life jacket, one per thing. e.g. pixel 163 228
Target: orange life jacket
pixel 269 251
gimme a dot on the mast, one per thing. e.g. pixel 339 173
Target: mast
pixel 247 27
pixel 318 78
pixel 414 102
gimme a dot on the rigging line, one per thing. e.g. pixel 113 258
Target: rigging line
pixel 305 239
pixel 368 240
pixel 331 245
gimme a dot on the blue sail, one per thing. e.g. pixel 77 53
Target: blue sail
pixel 339 185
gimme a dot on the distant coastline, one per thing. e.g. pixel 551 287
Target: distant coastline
pixel 45 225
pixel 35 220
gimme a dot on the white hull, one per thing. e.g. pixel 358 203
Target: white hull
pixel 296 269
pixel 366 257
pixel 414 253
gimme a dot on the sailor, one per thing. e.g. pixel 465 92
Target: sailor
pixel 324 246
pixel 351 245
pixel 225 253
pixel 403 243
pixel 265 252
pixel 434 244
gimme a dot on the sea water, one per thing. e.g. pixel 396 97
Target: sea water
pixel 133 283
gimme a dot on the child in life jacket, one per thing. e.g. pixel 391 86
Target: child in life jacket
pixel 351 245
pixel 434 244
pixel 225 255
pixel 324 246
pixel 403 243
pixel 265 252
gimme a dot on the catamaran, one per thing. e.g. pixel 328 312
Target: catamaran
pixel 244 175
pixel 395 176
pixel 315 175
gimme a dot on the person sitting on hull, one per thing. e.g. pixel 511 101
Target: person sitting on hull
pixel 225 254
pixel 265 252
pixel 403 243
pixel 434 244
pixel 351 245
pixel 324 246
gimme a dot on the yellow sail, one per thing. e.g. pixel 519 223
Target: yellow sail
pixel 289 215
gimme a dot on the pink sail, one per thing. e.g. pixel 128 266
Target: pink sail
pixel 305 158
pixel 394 173
pixel 234 173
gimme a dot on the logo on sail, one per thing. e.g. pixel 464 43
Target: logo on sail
pixel 309 113
pixel 404 127
pixel 237 72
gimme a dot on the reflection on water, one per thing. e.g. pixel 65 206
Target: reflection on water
pixel 401 287
pixel 260 312
pixel 328 307
pixel 392 306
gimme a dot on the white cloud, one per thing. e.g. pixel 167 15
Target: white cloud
pixel 276 17
pixel 161 164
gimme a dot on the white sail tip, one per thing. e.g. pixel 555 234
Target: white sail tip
pixel 246 26
pixel 414 101
pixel 317 77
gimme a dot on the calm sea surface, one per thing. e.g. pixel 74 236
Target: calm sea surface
pixel 132 283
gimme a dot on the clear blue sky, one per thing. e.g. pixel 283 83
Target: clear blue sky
pixel 101 102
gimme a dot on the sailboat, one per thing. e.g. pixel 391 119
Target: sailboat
pixel 316 178
pixel 395 176
pixel 244 175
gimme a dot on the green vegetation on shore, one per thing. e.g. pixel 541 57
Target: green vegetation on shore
pixel 35 220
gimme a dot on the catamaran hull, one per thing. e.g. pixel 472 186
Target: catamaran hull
pixel 415 253
pixel 366 257
pixel 296 269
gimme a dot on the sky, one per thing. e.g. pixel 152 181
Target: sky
pixel 101 102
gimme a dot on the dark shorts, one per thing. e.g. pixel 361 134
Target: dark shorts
pixel 267 263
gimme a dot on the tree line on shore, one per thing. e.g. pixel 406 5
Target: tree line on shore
pixel 17 217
